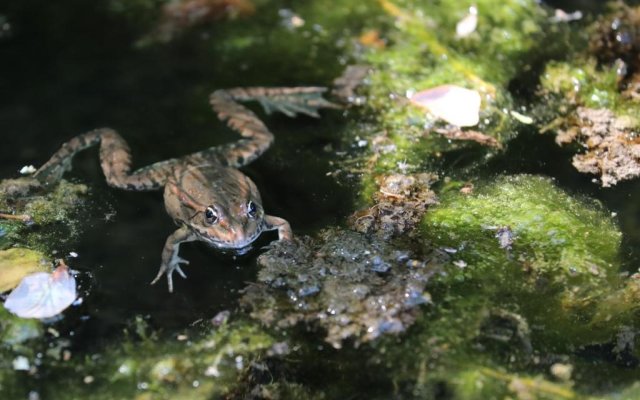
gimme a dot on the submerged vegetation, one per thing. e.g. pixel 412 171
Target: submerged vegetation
pixel 446 279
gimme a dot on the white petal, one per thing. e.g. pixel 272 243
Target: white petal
pixel 467 25
pixel 43 295
pixel 454 104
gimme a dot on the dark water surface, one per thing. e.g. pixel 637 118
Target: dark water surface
pixel 69 66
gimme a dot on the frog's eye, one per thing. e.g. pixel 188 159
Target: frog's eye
pixel 252 209
pixel 211 215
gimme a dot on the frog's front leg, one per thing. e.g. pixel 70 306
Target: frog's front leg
pixel 284 229
pixel 170 259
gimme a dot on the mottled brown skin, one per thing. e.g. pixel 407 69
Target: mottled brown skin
pixel 204 192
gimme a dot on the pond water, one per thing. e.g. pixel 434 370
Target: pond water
pixel 71 66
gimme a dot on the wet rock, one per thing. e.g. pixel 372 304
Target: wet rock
pixel 616 36
pixel 399 204
pixel 612 146
pixel 352 285
pixel 20 187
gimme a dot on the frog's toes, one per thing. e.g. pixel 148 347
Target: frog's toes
pixel 169 269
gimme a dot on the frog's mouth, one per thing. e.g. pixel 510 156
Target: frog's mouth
pixel 233 251
pixel 234 248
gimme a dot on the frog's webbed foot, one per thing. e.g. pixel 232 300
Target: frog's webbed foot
pixel 170 259
pixel 296 100
pixel 169 269
pixel 283 227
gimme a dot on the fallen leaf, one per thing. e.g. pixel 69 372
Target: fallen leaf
pixel 456 105
pixel 43 295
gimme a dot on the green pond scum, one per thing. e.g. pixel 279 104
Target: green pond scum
pixel 429 261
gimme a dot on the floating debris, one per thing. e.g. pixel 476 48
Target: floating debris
pixel 355 286
pixel 27 170
pixel 21 363
pixel 613 150
pixel 221 318
pixel 505 237
pixel 43 295
pixel 454 104
pixel 470 135
pixel 468 24
pixel 562 371
pixel 399 204
pixel 371 38
pixel 521 117
pixel 563 16
pixel 27 219
pixel 345 85
pixel 290 20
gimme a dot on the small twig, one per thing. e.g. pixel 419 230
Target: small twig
pixel 17 217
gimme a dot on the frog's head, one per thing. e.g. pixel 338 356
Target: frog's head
pixel 220 205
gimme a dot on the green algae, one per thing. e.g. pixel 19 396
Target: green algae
pixel 52 214
pixel 17 263
pixel 19 340
pixel 424 52
pixel 204 363
pixel 561 236
pixel 597 83
pixel 16 332
pixel 561 258
pixel 582 82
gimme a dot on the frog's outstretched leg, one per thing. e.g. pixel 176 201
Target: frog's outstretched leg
pixel 115 160
pixel 170 259
pixel 256 137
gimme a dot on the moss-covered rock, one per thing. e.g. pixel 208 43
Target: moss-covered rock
pixel 422 51
pixel 45 212
pixel 20 341
pixel 208 363
pixel 522 239
pixel 590 99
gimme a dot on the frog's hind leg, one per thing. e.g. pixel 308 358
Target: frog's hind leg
pixel 115 160
pixel 256 136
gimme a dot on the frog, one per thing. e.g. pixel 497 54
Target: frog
pixel 205 193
